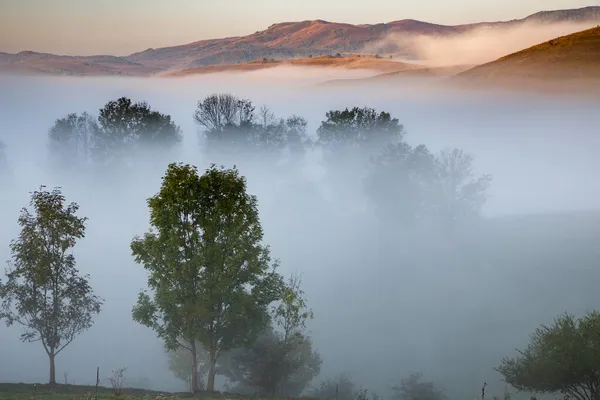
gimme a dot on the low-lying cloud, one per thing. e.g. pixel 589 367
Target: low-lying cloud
pixel 480 45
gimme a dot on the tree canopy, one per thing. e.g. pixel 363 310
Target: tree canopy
pixel 414 388
pixel 123 128
pixel 410 185
pixel 44 292
pixel 363 129
pixel 213 279
pixel 230 124
pixel 560 358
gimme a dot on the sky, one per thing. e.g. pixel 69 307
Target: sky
pixel 76 27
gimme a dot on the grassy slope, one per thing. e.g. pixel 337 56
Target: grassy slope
pixel 348 62
pixel 572 58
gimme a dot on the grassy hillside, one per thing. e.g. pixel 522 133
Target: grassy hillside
pixel 352 62
pixel 569 61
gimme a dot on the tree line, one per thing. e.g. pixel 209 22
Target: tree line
pixel 214 293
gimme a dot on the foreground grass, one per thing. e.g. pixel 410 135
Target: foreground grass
pixel 29 391
pixel 22 391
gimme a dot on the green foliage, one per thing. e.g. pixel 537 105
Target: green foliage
pixel 292 313
pixel 279 362
pixel 413 388
pixel 212 278
pixel 44 292
pixel 561 358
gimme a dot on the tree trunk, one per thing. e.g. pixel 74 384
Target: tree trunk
pixel 194 367
pixel 52 380
pixel 210 381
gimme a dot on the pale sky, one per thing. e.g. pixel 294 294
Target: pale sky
pixel 121 27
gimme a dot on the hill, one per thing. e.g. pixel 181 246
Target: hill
pixel 349 62
pixel 285 40
pixel 415 71
pixel 572 61
pixel 301 39
pixel 29 62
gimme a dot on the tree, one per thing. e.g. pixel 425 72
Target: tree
pixel 342 387
pixel 44 291
pixel 181 364
pixel 401 183
pixel 73 139
pixel 413 388
pixel 172 254
pixel 361 130
pixel 227 121
pixel 230 123
pixel 212 278
pixel 282 361
pixel 462 193
pixel 561 358
pixel 127 126
pixel 410 185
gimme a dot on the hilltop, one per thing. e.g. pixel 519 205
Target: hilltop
pixel 281 41
pixel 568 61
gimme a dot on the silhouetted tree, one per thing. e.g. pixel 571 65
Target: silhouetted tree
pixel 413 388
pixel 231 124
pixel 127 127
pixel 363 130
pixel 410 185
pixel 462 192
pixel 401 183
pixel 44 292
pixel 73 139
pixel 342 387
pixel 122 130
pixel 560 358
pixel 212 278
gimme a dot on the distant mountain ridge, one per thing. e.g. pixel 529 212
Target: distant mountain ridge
pixel 279 41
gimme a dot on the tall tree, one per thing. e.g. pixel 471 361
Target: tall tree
pixel 172 254
pixel 72 139
pixel 561 358
pixel 127 126
pixel 44 291
pixel 212 278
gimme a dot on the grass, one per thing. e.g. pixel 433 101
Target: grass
pixel 572 57
pixel 30 391
pixel 351 62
